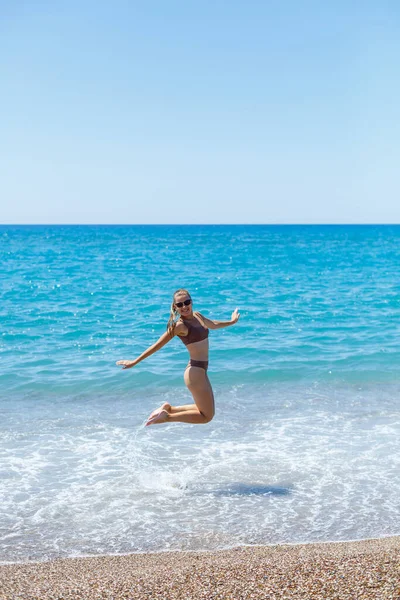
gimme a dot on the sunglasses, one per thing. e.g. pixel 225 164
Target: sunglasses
pixel 186 303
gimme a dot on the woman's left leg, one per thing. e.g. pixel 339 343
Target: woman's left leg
pixel 202 411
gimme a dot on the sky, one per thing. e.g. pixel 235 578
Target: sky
pixel 199 112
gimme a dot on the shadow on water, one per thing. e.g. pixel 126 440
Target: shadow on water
pixel 246 489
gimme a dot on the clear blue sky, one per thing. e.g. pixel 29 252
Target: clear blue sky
pixel 200 112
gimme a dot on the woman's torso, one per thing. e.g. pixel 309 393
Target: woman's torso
pixel 196 339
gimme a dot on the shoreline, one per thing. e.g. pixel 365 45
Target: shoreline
pixel 362 569
pixel 226 549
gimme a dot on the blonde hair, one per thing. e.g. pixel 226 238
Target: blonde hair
pixel 174 314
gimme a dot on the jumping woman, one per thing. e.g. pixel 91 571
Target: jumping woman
pixel 192 328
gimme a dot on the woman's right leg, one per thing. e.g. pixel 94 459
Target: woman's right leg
pixel 199 386
pixel 202 411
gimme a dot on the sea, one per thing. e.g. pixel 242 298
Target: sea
pixel 305 443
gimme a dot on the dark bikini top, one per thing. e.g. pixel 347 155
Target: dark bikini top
pixel 196 331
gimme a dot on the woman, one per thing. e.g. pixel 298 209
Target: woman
pixel 192 328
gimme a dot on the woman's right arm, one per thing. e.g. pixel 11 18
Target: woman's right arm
pixel 164 339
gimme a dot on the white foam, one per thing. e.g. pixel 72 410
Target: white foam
pixel 276 465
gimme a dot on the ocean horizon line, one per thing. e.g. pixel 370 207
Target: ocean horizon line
pixel 3 225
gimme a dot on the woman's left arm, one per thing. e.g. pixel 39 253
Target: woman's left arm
pixel 211 324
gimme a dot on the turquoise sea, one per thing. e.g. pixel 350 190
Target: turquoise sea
pixel 305 444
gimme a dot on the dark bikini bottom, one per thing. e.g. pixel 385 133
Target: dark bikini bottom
pixel 203 364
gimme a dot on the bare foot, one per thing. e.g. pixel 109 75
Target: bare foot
pixel 159 417
pixel 164 406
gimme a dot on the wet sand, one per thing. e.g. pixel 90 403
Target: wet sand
pixel 347 570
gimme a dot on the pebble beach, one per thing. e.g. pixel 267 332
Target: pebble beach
pixel 361 570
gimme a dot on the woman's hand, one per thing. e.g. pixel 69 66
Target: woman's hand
pixel 235 316
pixel 126 364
